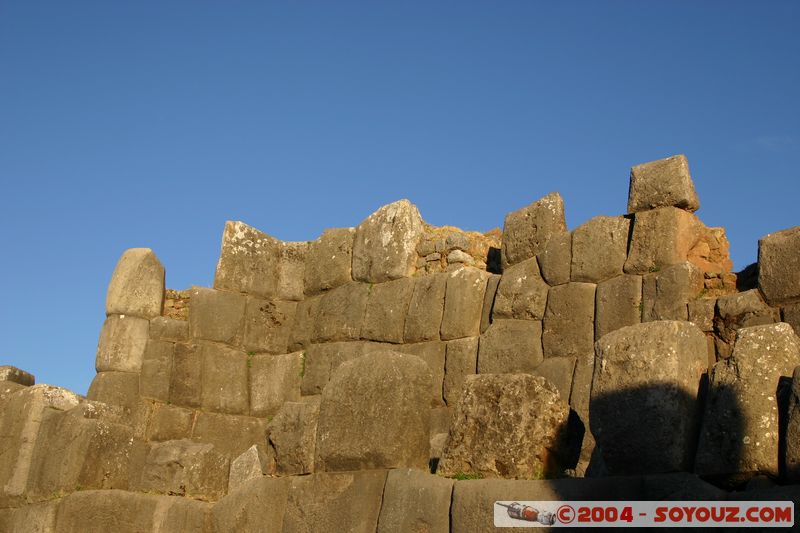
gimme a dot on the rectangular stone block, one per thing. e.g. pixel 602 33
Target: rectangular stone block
pixel 461 361
pixel 701 313
pixel 258 505
pixel 341 313
pixel 618 303
pixel 510 347
pixel 555 259
pixel 559 371
pixel 415 501
pixel 163 328
pixel 599 249
pixel 433 353
pixel 216 315
pixel 292 435
pixel 115 388
pixel 137 285
pixel 522 293
pixel 322 359
pixel 661 237
pixel 155 378
pixel 329 261
pixel 248 261
pixel 463 303
pixel 122 343
pixel 186 380
pixel 268 325
pixel 291 270
pixel 665 182
pixel 387 307
pixel 568 328
pixel 582 386
pixel 231 435
pixel 489 300
pixel 224 373
pixel 666 294
pixel 527 230
pixel 305 319
pixel 14 374
pixel 274 379
pixel 169 422
pixel 425 310
pixel 31 518
pixel 778 266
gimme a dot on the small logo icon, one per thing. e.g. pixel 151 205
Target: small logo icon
pixel 527 513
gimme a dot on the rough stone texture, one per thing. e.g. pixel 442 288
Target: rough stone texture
pixel 385 246
pixel 741 424
pixel 662 183
pixel 32 518
pixel 186 378
pixel 122 343
pixel 568 328
pixel 224 379
pixel 461 361
pixel 169 422
pixel 779 266
pixel 433 353
pixel 580 394
pixel 791 315
pixel 488 301
pixel 510 347
pixel 618 304
pixel 559 371
pixel 522 293
pixel 711 254
pixel 506 425
pixel 740 310
pixel 792 454
pixel 163 328
pixel 555 260
pixel 320 360
pixel 527 230
pixel 661 237
pixel 267 325
pixel 644 396
pixel 665 294
pixel 701 313
pixel 274 379
pixel 115 388
pixel 248 261
pixel 291 269
pixel 463 303
pixel 292 435
pixel 305 319
pixel 335 501
pixel 16 375
pixel 216 315
pixel 329 260
pixel 253 463
pixel 599 249
pixel 386 311
pixel 258 505
pixel 137 285
pixel 425 310
pixel 156 370
pixel 415 501
pixel 230 434
pixel 374 414
pixel 341 313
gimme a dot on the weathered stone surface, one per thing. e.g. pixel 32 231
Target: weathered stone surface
pixel 662 183
pixel 115 388
pixel 320 360
pixel 163 328
pixel 216 315
pixel 122 343
pixel 568 328
pixel 253 463
pixel 661 237
pixel 559 371
pixel 441 419
pixel 741 426
pixel 580 394
pixel 341 313
pixel 665 294
pixel 461 361
pixel 740 310
pixel 415 501
pixel 329 260
pixel 618 304
pixel 386 311
pixel 712 252
pixel 267 325
pixel 305 319
pixel 527 230
pixel 433 353
pixel 292 435
pixel 510 347
pixel 506 425
pixel 385 246
pixel 701 313
pixel 522 293
pixel 16 375
pixel 424 318
pixel 156 371
pixel 31 518
pixel 230 434
pixel 644 396
pixel 792 454
pixel 555 260
pixel 599 249
pixel 258 505
pixel 186 378
pixel 248 261
pixel 169 422
pixel 137 285
pixel 274 379
pixel 463 303
pixel 291 269
pixel 374 414
pixel 335 501
pixel 779 266
pixel 224 375
pixel 791 315
pixel 488 301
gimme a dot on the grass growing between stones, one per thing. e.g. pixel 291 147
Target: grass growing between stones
pixel 464 476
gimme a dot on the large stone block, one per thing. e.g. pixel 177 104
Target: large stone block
pixel 292 433
pixel 666 294
pixel 16 375
pixel 644 396
pixel 224 374
pixel 433 353
pixel 375 414
pixel 792 453
pixel 599 249
pixel 186 378
pixel 527 230
pixel 737 311
pixel 387 307
pixel 169 422
pixel 329 260
pixel 779 266
pixel 340 314
pixel 274 379
pixel 320 360
pixel 661 237
pixel 122 343
pixel 415 501
pixel 506 425
pixel 216 315
pixel 580 395
pixel 137 285
pixel 510 347
pixel 385 246
pixel 32 518
pixel 568 328
pixel 662 183
pixel 291 269
pixel 425 310
pixel 555 260
pixel 522 293
pixel 461 361
pixel 163 328
pixel 618 303
pixel 115 388
pixel 740 433
pixel 257 505
pixel 463 303
pixel 488 301
pixel 305 320
pixel 231 435
pixel 156 374
pixel 701 313
pixel 248 261
pixel 559 371
pixel 268 325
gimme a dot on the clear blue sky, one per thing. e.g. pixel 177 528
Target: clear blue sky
pixel 127 124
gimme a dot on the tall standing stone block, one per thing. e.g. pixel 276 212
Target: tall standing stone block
pixel 292 433
pixel 666 294
pixel 137 285
pixel 224 374
pixel 122 343
pixel 248 261
pixel 186 378
pixel 555 259
pixel 522 293
pixel 644 396
pixel 661 237
pixel 274 379
pixel 340 314
pixel 618 304
pixel 291 269
pixel 463 303
pixel 599 249
pixel 662 183
pixel 385 245
pixel 527 230
pixel 433 353
pixel 461 361
pixel 329 260
pixel 268 325
pixel 216 315
pixel 115 388
pixel 510 347
pixel 375 413
pixel 568 328
pixel 779 266
pixel 415 501
pixel 426 308
pixel 386 312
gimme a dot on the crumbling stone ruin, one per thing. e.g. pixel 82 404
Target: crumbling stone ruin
pixel 402 377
